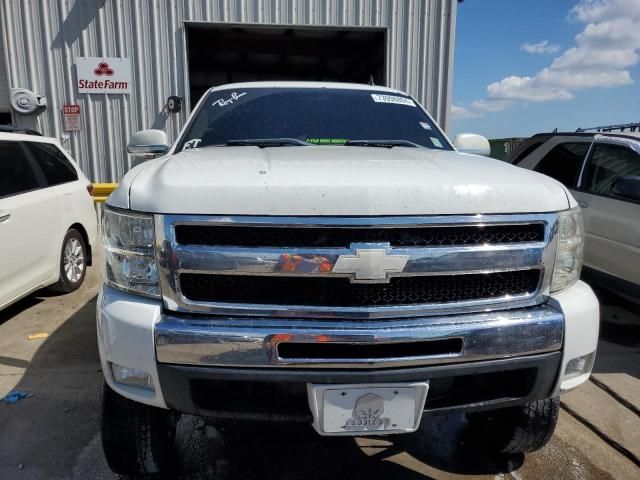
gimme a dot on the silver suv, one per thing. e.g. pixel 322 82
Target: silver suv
pixel 602 171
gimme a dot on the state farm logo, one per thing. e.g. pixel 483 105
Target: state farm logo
pixel 104 75
pixel 103 69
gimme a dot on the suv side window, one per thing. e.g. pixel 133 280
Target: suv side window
pixel 56 167
pixel 608 163
pixel 563 162
pixel 525 153
pixel 16 173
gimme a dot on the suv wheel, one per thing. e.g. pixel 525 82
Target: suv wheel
pixel 521 429
pixel 136 439
pixel 73 263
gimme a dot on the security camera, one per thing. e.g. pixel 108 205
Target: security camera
pixel 174 104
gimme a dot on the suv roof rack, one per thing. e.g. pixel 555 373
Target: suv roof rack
pixel 555 133
pixel 14 129
pixel 630 127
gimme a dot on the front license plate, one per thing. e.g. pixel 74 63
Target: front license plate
pixel 377 409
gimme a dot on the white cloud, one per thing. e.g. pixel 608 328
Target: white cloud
pixel 579 79
pixel 604 50
pixel 490 105
pixel 594 59
pixel 459 112
pixel 526 88
pixel 478 108
pixel 540 47
pixel 599 10
pixel 608 34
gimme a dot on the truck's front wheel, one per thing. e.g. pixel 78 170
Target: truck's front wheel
pixel 521 429
pixel 136 439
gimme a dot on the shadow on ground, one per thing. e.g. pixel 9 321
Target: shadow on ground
pixel 619 346
pixel 54 434
pixel 18 307
pixel 243 450
pixel 44 433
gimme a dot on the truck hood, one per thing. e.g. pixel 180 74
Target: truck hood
pixel 334 180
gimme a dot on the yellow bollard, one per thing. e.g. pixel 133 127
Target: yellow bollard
pixel 102 190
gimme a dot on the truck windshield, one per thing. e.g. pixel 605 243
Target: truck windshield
pixel 310 116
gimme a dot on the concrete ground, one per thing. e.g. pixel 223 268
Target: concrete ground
pixel 54 434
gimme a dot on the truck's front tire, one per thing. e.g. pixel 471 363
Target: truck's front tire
pixel 521 429
pixel 136 439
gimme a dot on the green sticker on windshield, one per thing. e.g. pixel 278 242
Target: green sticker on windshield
pixel 327 141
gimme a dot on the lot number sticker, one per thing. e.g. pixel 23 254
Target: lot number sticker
pixel 378 98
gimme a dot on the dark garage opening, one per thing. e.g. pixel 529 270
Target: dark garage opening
pixel 225 54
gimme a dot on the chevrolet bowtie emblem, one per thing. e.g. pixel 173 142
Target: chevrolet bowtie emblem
pixel 371 263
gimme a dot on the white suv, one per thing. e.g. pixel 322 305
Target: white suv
pixel 47 218
pixel 602 171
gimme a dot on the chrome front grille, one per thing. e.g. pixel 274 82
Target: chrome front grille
pixel 295 267
pixel 340 292
pixel 309 237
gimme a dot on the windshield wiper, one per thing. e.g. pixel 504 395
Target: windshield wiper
pixel 382 143
pixel 267 142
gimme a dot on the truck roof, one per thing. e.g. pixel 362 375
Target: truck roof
pixel 299 84
pixel 27 137
pixel 13 129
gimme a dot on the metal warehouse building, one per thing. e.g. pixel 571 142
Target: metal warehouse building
pixel 92 72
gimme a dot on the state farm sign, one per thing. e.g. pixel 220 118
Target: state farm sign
pixel 103 75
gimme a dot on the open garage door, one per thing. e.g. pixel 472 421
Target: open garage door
pixel 220 54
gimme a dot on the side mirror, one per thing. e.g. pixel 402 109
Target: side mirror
pixel 627 187
pixel 472 143
pixel 148 144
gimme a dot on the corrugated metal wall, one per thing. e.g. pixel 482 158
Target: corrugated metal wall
pixel 4 84
pixel 43 38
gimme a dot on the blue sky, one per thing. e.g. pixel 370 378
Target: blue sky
pixel 508 82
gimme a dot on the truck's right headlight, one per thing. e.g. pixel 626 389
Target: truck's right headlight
pixel 129 261
pixel 570 249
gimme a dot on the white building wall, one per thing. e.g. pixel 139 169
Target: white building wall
pixel 43 38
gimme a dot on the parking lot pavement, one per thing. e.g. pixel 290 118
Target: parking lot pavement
pixel 54 434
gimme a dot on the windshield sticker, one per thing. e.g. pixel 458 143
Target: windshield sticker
pixel 436 142
pixel 425 125
pixel 327 141
pixel 234 97
pixel 378 98
pixel 191 144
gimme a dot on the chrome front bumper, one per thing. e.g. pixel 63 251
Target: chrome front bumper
pixel 180 351
pixel 254 343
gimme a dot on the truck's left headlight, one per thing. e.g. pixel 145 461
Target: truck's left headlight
pixel 570 249
pixel 129 261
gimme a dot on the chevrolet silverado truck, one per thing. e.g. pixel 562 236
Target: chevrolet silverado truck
pixel 322 253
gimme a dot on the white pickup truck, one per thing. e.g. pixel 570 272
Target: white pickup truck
pixel 322 253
